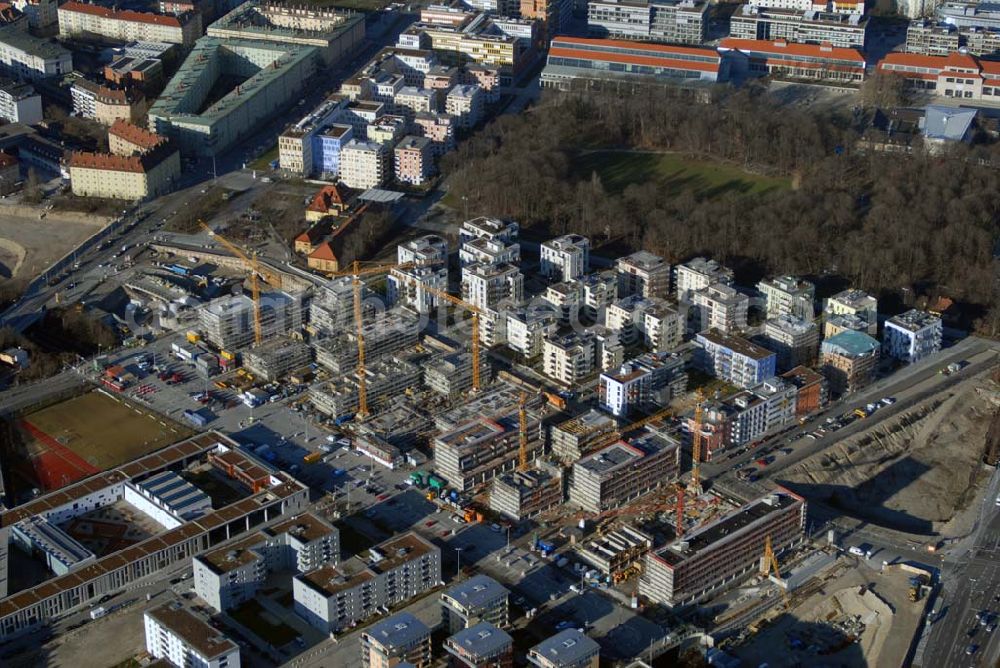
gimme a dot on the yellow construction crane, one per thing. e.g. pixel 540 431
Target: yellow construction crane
pixel 696 447
pixel 256 269
pixel 356 272
pixel 475 311
pixel 522 421
pixel 769 563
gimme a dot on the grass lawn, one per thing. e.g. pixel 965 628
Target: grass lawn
pixel 264 161
pixel 253 616
pixel 673 171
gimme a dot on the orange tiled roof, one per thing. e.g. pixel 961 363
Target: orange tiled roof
pixel 780 47
pixel 323 252
pixel 326 199
pixel 123 15
pixel 117 163
pixel 962 60
pixel 659 49
pixel 652 61
pixel 135 135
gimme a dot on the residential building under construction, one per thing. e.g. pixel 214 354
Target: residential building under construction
pixel 520 495
pixel 624 471
pixel 384 380
pixel 479 450
pixel 228 322
pixel 578 436
pixel 390 332
pixel 276 357
pixel 724 550
pixel 450 375
pixel 616 553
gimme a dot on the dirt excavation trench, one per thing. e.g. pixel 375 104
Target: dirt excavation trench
pixel 915 472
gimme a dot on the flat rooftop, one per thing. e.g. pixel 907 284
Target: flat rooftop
pixel 476 592
pixel 306 527
pixel 330 580
pixel 399 631
pixel 233 555
pixel 736 344
pixel 566 648
pixel 481 640
pixel 707 536
pixel 205 640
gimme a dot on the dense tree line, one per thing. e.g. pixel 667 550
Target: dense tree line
pixel 882 222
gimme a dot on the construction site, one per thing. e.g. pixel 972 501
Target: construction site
pixel 916 473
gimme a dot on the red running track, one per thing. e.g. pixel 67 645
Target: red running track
pixel 56 466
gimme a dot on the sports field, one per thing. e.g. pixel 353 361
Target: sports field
pixel 88 434
pixel 674 171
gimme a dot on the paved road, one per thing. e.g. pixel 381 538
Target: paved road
pixel 909 386
pixel 971 583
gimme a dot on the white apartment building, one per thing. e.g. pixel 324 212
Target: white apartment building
pixel 566 298
pixel 720 307
pixel 569 359
pixel 177 636
pixel 485 286
pixel 643 273
pixel 565 258
pixel 788 295
pixel 19 103
pixel 28 58
pixel 333 599
pixel 795 341
pixel 399 640
pixel 698 274
pixel 609 351
pixel 428 249
pixel 410 101
pixel 663 328
pixel 912 336
pixel 644 383
pixel 626 316
pixel 857 303
pixel 600 290
pixel 485 250
pixel 488 228
pixel 527 327
pixel 410 286
pixel 465 102
pixel 363 164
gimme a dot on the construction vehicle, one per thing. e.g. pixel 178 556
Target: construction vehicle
pixel 312 457
pixel 418 478
pixel 430 496
pixel 435 483
pixel 193 336
pixel 257 272
pixel 226 355
pixel 472 516
pixel 555 400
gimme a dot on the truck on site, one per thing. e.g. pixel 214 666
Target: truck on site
pixel 98 612
pixel 312 457
pixel 545 547
pixel 343 419
pixel 435 483
pixel 418 478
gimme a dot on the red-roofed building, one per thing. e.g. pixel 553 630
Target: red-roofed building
pixel 77 18
pixel 324 258
pixel 306 242
pixel 572 58
pixel 788 60
pixel 957 75
pixel 327 202
pixel 127 139
pixel 135 177
pixel 103 104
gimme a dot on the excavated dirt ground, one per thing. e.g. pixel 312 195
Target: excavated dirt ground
pixel 914 472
